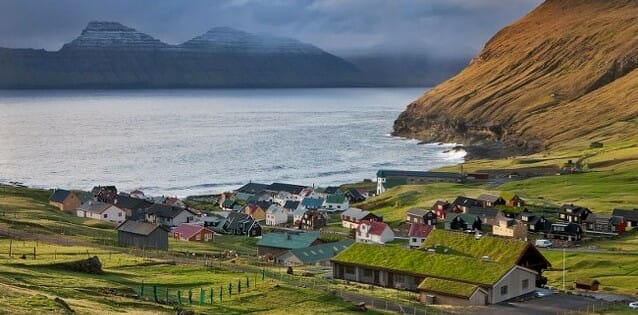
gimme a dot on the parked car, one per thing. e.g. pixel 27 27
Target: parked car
pixel 633 305
pixel 543 243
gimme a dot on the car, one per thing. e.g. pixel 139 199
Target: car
pixel 633 305
pixel 543 243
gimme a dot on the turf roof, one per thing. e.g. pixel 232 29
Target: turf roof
pixel 422 263
pixel 448 287
pixel 503 250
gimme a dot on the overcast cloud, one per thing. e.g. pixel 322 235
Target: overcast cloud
pixel 434 27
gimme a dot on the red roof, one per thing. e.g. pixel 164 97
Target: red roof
pixel 376 228
pixel 171 201
pixel 187 231
pixel 420 230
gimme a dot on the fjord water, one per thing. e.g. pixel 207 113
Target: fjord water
pixel 184 142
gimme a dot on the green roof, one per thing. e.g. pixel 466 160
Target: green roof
pixel 320 252
pixel 393 182
pixel 503 250
pixel 290 240
pixel 465 216
pixel 448 287
pixel 336 198
pixel 423 263
pixel 508 195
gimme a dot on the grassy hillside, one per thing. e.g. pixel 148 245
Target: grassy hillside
pixel 563 74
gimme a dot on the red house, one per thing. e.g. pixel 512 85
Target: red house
pixel 193 233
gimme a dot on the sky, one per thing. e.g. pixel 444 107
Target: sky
pixel 435 27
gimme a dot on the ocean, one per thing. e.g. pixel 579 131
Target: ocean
pixel 188 142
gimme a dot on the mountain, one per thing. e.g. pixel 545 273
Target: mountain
pixel 112 35
pixel 228 40
pixel 111 55
pixel 563 74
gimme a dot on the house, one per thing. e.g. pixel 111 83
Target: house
pixel 174 201
pixel 142 235
pixel 572 213
pixel 291 206
pixel 64 200
pixel 312 220
pixel 355 195
pixel 257 210
pixel 314 255
pixel 252 188
pixel 488 215
pixel 353 216
pixel 507 227
pixel 586 284
pixel 512 200
pixel 463 222
pixel 273 244
pixel 374 232
pixel 193 233
pixel 134 207
pixel 312 203
pixel 418 233
pixel 489 201
pixel 387 179
pixel 168 215
pixel 455 269
pixel 104 193
pixel 137 194
pixel 294 191
pixel 228 204
pixel 237 223
pixel 442 208
pixel 421 216
pixel 336 202
pixel 101 211
pixel 630 216
pixel 462 204
pixel 276 215
pixel 565 231
pixel 535 223
pixel 298 215
pixel 613 225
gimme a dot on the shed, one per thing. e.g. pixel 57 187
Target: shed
pixel 587 284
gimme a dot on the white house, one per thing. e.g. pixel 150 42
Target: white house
pixel 276 215
pixel 291 206
pixel 168 215
pixel 298 215
pixel 418 233
pixel 374 232
pixel 336 202
pixel 101 211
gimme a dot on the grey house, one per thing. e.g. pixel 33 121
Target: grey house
pixel 142 235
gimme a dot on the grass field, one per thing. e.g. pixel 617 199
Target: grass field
pixel 29 285
pixel 617 272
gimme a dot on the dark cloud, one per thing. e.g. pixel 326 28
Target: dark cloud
pixel 439 27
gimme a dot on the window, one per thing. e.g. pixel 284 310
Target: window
pixel 198 237
pixel 504 290
pixel 367 273
pixel 525 284
pixel 119 214
pixel 106 215
pixel 414 240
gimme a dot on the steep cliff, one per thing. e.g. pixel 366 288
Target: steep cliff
pixel 565 72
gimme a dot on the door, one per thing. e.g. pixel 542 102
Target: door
pixel 376 277
pixel 390 280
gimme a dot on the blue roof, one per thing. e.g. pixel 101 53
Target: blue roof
pixel 321 252
pixel 288 240
pixel 312 203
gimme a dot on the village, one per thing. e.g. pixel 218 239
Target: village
pixel 434 252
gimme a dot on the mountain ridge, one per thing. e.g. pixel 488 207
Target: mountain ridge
pixel 565 72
